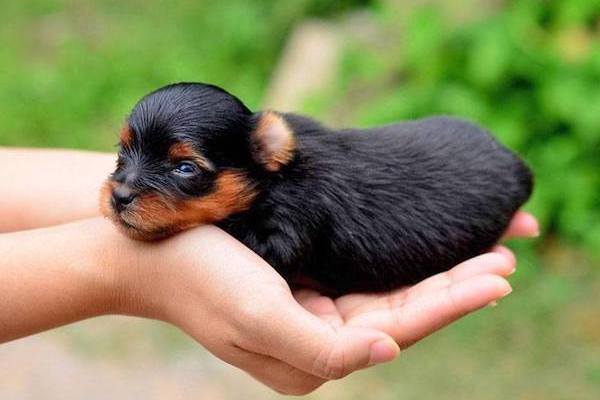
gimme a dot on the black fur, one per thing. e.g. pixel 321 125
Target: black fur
pixel 355 210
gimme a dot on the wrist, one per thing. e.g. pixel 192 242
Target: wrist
pixel 97 264
pixel 127 274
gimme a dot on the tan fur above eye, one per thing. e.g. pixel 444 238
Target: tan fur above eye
pixel 186 151
pixel 273 142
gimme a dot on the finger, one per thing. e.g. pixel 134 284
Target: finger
pixel 305 294
pixel 506 252
pixel 286 331
pixel 496 263
pixel 354 302
pixel 493 263
pixel 426 314
pixel 523 224
pixel 321 306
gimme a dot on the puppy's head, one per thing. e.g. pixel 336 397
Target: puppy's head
pixel 191 154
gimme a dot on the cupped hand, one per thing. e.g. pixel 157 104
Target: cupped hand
pixel 240 309
pixel 411 313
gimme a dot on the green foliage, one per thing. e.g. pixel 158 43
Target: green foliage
pixel 70 71
pixel 530 74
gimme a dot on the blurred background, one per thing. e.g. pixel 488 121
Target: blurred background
pixel 528 70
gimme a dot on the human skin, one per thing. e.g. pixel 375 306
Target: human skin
pixel 205 282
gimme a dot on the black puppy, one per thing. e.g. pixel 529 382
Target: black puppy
pixel 353 210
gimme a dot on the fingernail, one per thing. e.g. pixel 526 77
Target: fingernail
pixel 494 303
pixel 533 221
pixel 383 350
pixel 513 271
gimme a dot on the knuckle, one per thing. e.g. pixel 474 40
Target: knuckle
pixel 330 364
pixel 453 303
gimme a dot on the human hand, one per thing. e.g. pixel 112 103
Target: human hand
pixel 411 313
pixel 240 309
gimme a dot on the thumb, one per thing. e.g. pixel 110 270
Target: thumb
pixel 299 338
pixel 267 317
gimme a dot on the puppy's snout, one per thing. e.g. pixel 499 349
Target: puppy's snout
pixel 122 196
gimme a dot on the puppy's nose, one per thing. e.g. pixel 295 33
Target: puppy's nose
pixel 122 196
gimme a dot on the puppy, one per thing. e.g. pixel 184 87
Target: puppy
pixel 352 210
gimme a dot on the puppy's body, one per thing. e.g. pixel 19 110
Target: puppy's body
pixel 374 209
pixel 355 210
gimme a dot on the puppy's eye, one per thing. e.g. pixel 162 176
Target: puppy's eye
pixel 185 168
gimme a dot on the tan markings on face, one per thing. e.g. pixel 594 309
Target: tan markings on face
pixel 154 216
pixel 126 136
pixel 105 196
pixel 233 193
pixel 274 141
pixel 185 151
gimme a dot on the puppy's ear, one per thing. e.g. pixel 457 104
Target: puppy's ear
pixel 273 143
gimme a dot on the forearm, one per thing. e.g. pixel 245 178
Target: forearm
pixel 55 276
pixel 47 187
